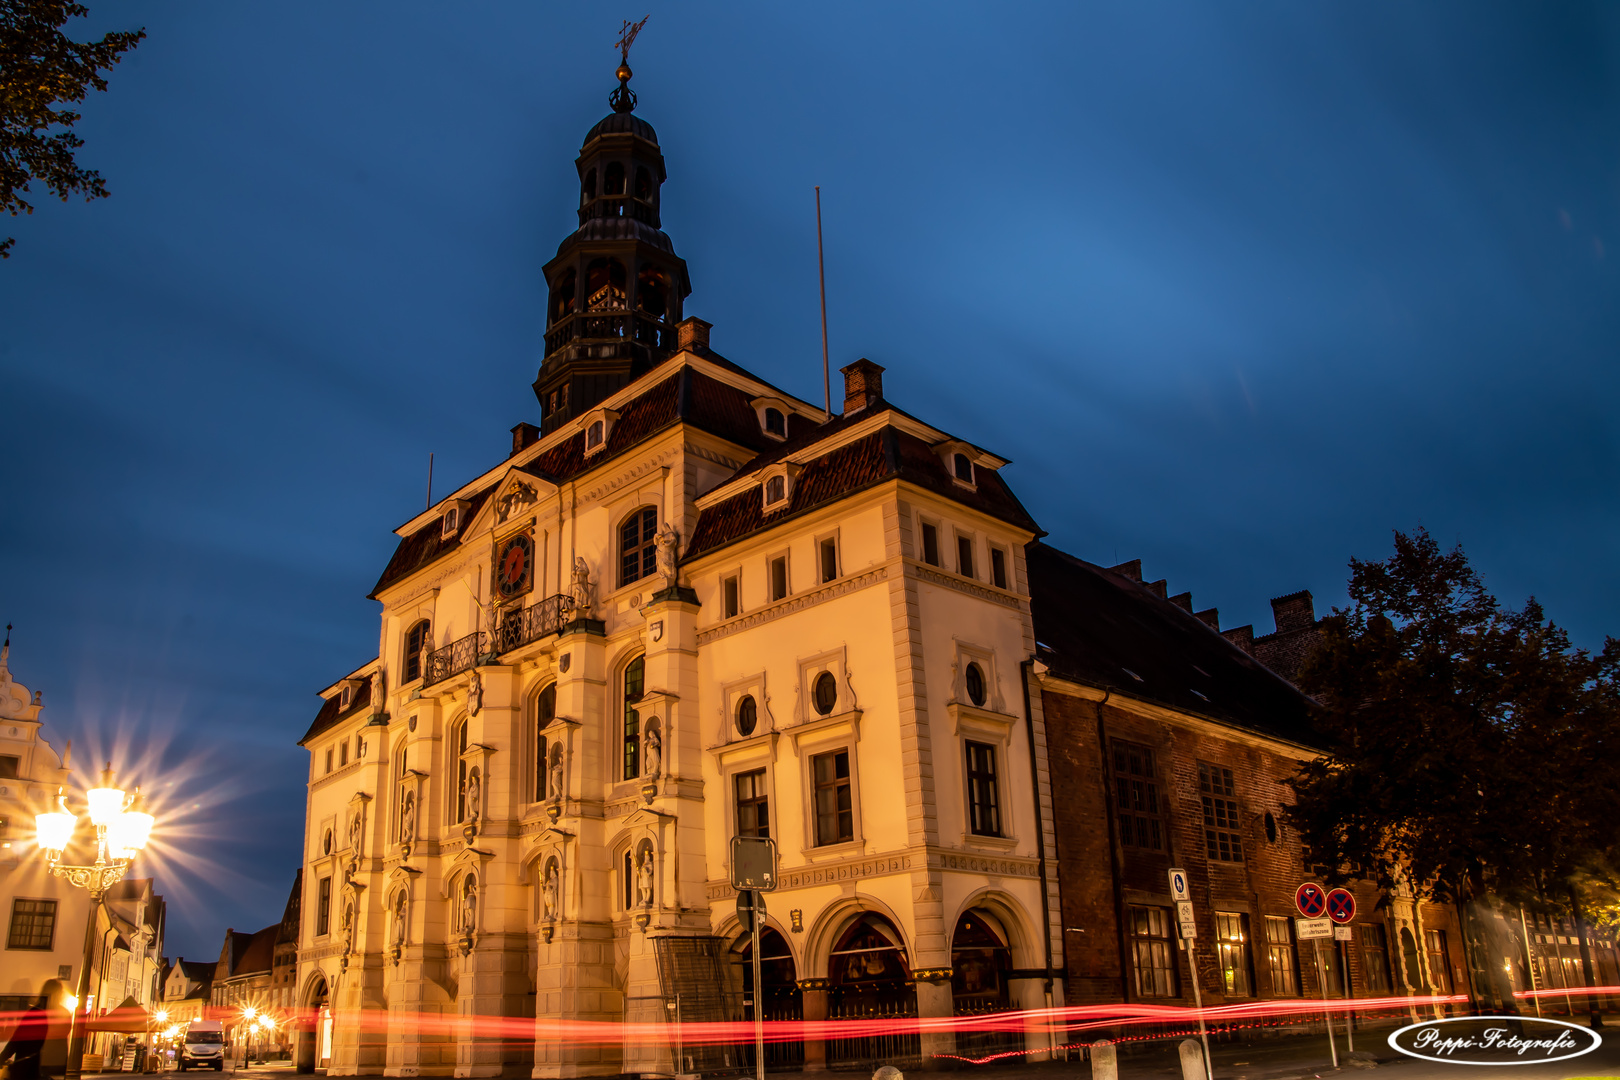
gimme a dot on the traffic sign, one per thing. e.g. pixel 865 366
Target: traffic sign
pixel 1178 886
pixel 1341 933
pixel 1306 929
pixel 1311 900
pixel 1341 905
pixel 753 863
pixel 1185 920
pixel 750 906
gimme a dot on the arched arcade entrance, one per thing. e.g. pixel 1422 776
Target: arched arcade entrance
pixel 869 978
pixel 781 998
pixel 314 1046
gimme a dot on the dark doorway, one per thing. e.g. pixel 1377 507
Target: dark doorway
pixel 980 963
pixel 781 999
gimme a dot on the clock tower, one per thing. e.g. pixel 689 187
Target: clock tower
pixel 616 284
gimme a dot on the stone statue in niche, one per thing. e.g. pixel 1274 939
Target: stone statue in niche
pixel 475 693
pixel 469 906
pixel 556 773
pixel 348 928
pixel 667 541
pixel 474 795
pixel 407 819
pixel 354 835
pixel 644 878
pixel 399 919
pixel 653 757
pixel 580 590
pixel 378 686
pixel 548 891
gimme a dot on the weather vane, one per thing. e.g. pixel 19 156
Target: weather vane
pixel 623 99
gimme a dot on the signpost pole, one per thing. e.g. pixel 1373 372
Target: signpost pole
pixel 1181 894
pixel 1198 1001
pixel 1349 993
pixel 759 995
pixel 1327 1015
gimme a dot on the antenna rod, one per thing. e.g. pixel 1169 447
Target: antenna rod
pixel 429 505
pixel 821 269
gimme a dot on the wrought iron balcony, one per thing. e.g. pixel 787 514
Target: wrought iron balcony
pixel 534 622
pixel 453 659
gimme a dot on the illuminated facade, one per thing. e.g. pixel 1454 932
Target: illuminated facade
pixel 688 606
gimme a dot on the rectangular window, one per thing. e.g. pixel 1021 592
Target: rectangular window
pixel 1375 958
pixel 829 560
pixel 984 805
pixel 1232 950
pixel 627 879
pixel 1434 943
pixel 998 568
pixel 779 578
pixel 323 908
pixel 1136 790
pixel 731 601
pixel 1280 957
pixel 343 753
pixel 1221 837
pixel 964 556
pixel 328 759
pixel 753 807
pixel 835 808
pixel 8 767
pixel 33 925
pixel 635 678
pixel 1152 952
pixel 930 544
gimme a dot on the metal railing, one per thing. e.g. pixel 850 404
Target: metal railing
pixel 534 622
pixel 870 1051
pixel 453 659
pixel 986 1041
pixel 645 329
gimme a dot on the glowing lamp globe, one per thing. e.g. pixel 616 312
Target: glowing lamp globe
pixel 130 830
pixel 106 801
pixel 55 830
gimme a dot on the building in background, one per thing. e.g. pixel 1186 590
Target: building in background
pixel 188 989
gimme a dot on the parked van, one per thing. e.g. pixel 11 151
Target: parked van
pixel 203 1046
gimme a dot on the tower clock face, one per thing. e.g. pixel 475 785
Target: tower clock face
pixel 514 570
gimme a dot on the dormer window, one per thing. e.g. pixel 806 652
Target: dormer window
pixel 345 698
pixel 775 423
pixel 964 463
pixel 598 428
pixel 773 416
pixel 776 485
pixel 450 522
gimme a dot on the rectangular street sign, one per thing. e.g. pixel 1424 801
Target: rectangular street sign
pixel 753 863
pixel 1306 929
pixel 1341 933
pixel 1189 930
pixel 1184 911
pixel 1178 885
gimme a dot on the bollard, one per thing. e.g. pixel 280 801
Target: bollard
pixel 1192 1060
pixel 888 1072
pixel 1104 1061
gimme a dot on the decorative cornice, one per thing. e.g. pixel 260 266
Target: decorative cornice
pixel 629 475
pixel 924 572
pixel 792 605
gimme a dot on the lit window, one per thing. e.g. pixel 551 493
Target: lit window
pixel 1232 952
pixel 1280 957
pixel 1152 952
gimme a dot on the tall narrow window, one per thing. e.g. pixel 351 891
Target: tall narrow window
pixel 460 743
pixel 1136 788
pixel 343 753
pixel 1232 952
pixel 835 807
pixel 562 305
pixel 1375 958
pixel 323 908
pixel 1221 837
pixel 402 794
pixel 1281 958
pixel 1434 944
pixel 1152 952
pixel 984 801
pixel 930 544
pixel 964 556
pixel 998 568
pixel 33 925
pixel 644 184
pixel 730 598
pixel 627 879
pixel 638 550
pixel 545 711
pixel 753 808
pixel 779 578
pixel 634 685
pixel 416 640
pixel 829 559
pixel 328 759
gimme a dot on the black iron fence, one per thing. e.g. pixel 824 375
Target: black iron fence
pixel 533 622
pixel 453 659
pixel 900 1048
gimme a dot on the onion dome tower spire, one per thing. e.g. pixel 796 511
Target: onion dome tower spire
pixel 616 285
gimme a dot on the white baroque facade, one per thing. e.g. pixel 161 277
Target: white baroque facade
pixel 688 606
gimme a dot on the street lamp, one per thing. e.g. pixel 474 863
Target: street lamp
pixel 122 829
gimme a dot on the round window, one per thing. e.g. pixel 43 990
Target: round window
pixel 826 692
pixel 975 684
pixel 747 715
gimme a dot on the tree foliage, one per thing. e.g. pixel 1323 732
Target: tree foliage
pixel 41 68
pixel 1472 749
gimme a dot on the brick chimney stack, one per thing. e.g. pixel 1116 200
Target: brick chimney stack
pixel 692 335
pixel 524 436
pixel 863 385
pixel 1296 611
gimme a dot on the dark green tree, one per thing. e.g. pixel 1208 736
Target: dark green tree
pixel 1471 749
pixel 41 68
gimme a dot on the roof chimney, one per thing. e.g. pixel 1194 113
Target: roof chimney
pixel 1211 617
pixel 692 335
pixel 1183 600
pixel 523 436
pixel 863 385
pixel 1241 636
pixel 1132 569
pixel 1294 611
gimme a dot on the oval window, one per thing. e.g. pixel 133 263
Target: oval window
pixel 974 679
pixel 1271 827
pixel 326 843
pixel 825 692
pixel 747 715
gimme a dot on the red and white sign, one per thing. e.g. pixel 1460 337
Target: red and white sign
pixel 1341 906
pixel 1311 899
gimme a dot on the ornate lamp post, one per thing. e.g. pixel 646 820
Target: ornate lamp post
pixel 122 827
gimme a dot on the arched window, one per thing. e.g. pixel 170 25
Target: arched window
pixel 459 741
pixel 587 190
pixel 417 638
pixel 613 179
pixel 545 710
pixel 401 793
pixel 638 554
pixel 775 422
pixel 775 490
pixel 562 295
pixel 605 285
pixel 594 434
pixel 635 683
pixel 644 184
pixel 963 467
pixel 652 292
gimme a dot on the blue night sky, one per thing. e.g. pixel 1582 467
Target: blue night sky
pixel 1238 287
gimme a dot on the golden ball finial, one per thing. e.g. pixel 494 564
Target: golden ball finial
pixel 624 73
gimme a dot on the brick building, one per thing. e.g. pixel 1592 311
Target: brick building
pixel 1169 746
